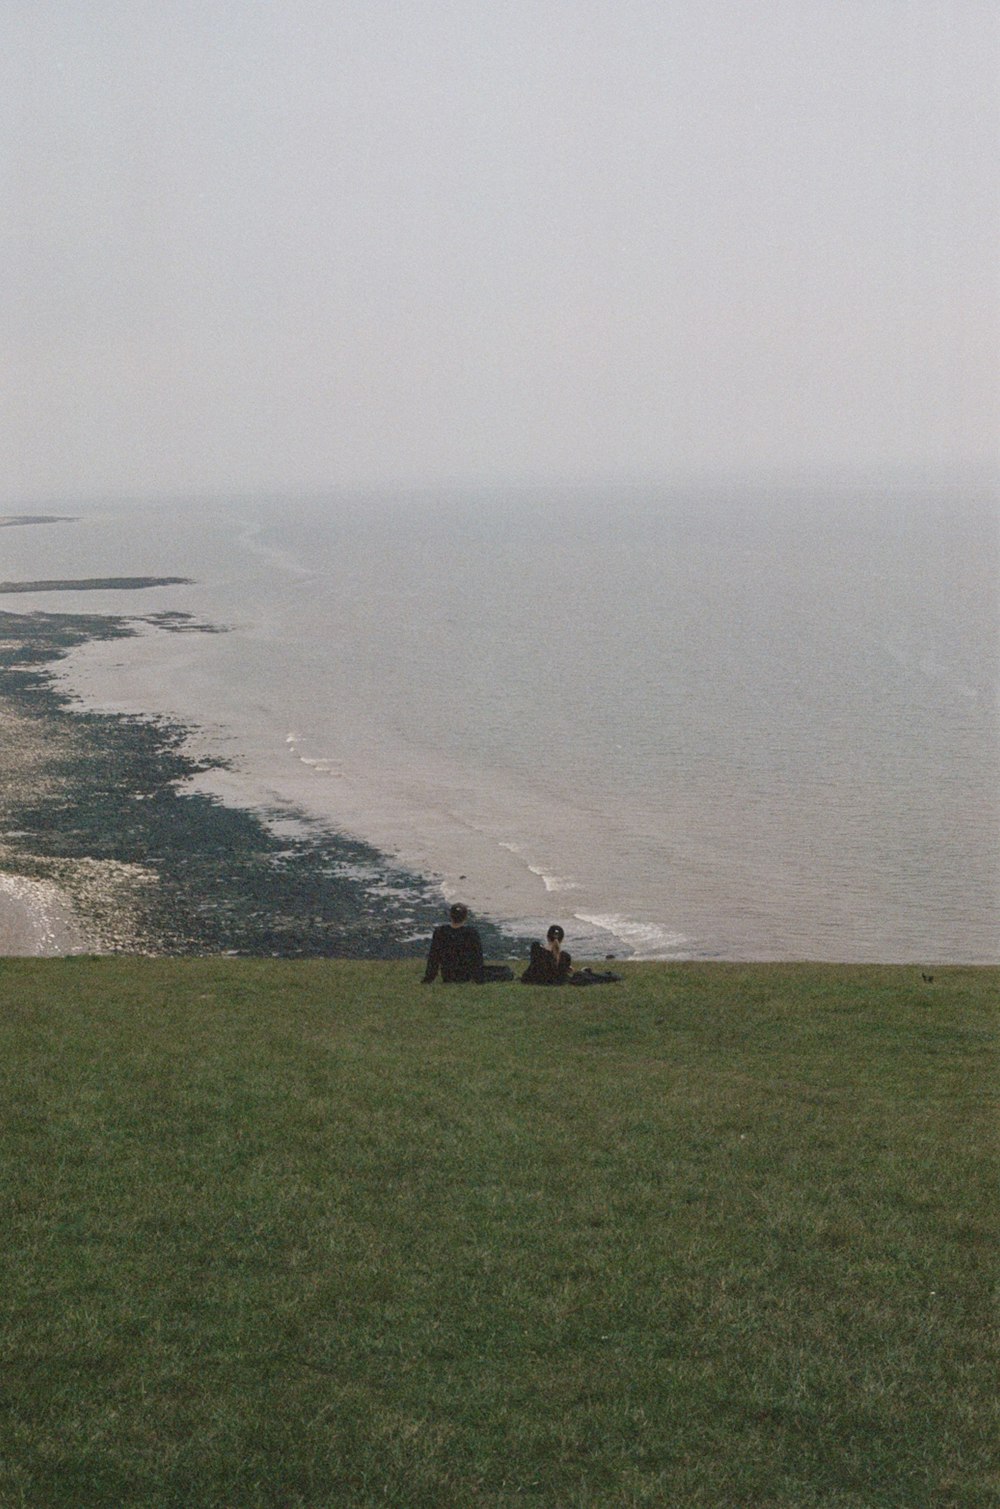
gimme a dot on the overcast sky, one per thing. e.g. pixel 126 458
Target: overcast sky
pixel 259 244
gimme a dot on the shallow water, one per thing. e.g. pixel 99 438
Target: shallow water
pixel 748 723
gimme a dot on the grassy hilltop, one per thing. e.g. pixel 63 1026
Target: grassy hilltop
pixel 307 1233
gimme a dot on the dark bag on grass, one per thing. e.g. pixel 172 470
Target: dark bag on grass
pixel 590 977
pixel 496 973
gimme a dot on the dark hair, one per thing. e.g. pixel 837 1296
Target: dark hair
pixel 459 913
pixel 555 933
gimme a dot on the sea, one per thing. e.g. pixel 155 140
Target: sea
pixel 744 721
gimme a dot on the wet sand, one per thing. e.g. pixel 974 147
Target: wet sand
pixel 36 919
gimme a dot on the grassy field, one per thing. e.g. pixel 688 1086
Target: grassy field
pixel 306 1233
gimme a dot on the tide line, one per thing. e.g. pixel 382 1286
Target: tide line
pixel 549 881
pixel 648 939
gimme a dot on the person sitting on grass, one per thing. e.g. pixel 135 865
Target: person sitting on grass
pixel 456 950
pixel 550 965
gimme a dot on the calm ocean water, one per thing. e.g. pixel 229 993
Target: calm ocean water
pixel 738 724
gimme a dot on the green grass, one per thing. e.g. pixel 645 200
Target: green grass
pixel 305 1233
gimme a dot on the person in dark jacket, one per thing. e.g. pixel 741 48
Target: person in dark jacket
pixel 456 950
pixel 550 965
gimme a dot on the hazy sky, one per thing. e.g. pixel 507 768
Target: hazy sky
pixel 300 243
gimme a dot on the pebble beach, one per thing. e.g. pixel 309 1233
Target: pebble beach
pixel 37 919
pixel 36 916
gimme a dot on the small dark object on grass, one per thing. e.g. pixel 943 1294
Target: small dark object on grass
pixel 589 977
pixel 609 956
pixel 927 979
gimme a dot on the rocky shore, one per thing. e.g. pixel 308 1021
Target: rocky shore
pixel 105 848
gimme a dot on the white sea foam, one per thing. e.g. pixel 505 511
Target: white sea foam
pixel 316 764
pixel 550 881
pixel 646 940
pixel 554 882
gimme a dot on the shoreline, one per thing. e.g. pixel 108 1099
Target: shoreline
pixel 322 759
pixel 106 846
